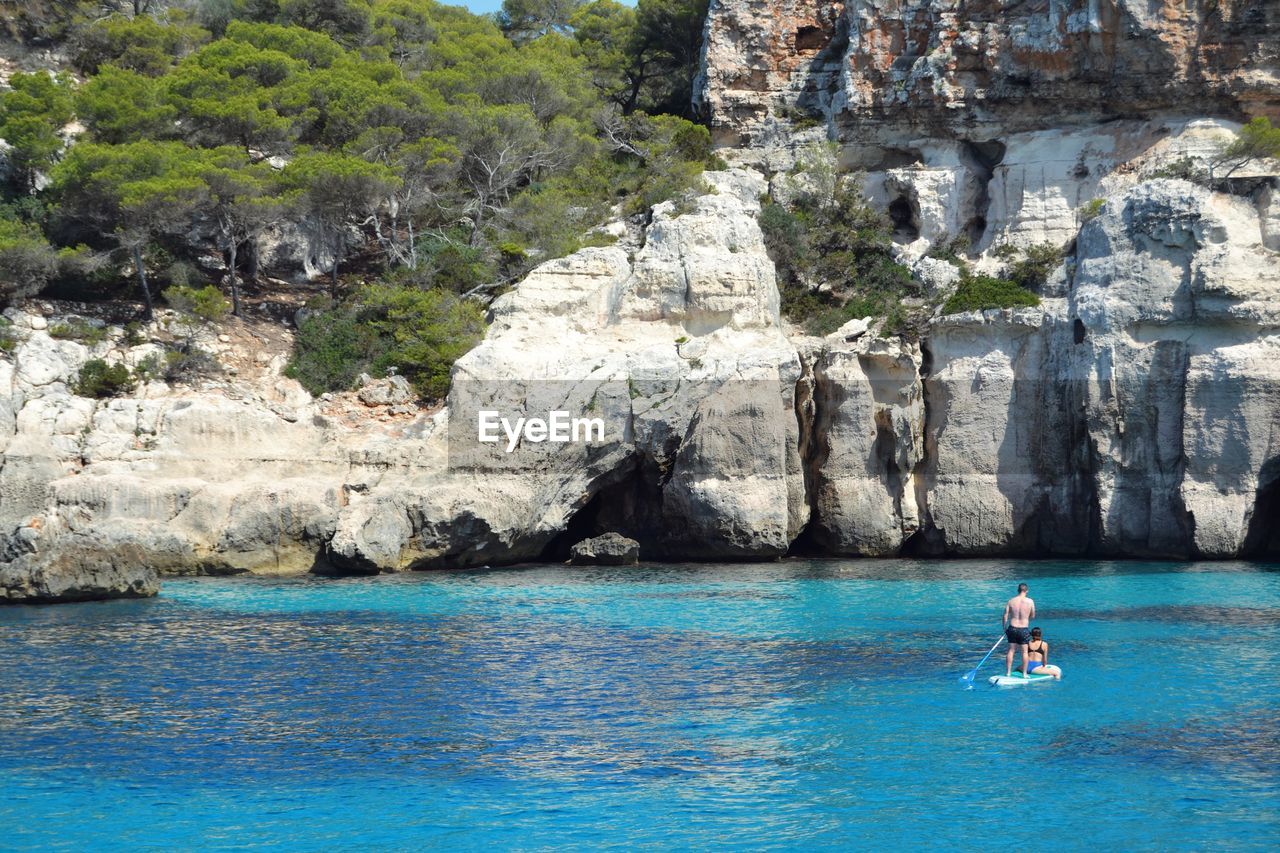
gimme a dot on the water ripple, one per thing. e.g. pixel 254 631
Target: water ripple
pixel 782 706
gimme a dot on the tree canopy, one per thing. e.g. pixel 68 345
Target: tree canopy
pixel 1257 140
pixel 414 144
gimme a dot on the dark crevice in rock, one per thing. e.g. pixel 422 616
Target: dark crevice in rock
pixel 927 540
pixel 904 212
pixel 813 448
pixel 584 524
pixel 885 451
pixel 325 567
pixel 1082 467
pixel 810 38
pixel 1174 362
pixel 1262 539
pixel 982 158
pixel 631 503
pixel 896 158
pixel 988 154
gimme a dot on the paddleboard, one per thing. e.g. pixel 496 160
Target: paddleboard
pixel 1018 681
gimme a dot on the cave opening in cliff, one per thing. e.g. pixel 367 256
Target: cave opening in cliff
pixel 896 158
pixel 582 525
pixel 906 220
pixel 982 158
pixel 810 38
pixel 632 507
pixel 1263 537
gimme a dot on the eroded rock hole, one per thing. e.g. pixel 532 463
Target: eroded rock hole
pixel 810 38
pixel 1078 331
pixel 982 158
pixel 632 506
pixel 906 220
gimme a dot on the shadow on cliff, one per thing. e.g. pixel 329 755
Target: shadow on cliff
pixel 1262 541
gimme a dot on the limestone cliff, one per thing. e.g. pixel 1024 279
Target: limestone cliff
pixel 1139 414
pixel 884 72
pixel 1135 412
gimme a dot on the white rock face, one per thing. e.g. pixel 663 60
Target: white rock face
pixel 1136 415
pixel 228 478
pixel 866 440
pixel 996 478
pixel 1269 214
pixel 1045 178
pixel 1176 296
pixel 679 352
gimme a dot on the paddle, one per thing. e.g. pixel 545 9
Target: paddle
pixel 968 676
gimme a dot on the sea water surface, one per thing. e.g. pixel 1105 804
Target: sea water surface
pixel 789 705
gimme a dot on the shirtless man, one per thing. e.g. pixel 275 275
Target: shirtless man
pixel 1018 613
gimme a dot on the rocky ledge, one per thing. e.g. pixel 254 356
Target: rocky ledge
pixel 76 571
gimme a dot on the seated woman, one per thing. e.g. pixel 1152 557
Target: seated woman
pixel 1038 656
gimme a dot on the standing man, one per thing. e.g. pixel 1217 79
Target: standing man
pixel 1018 613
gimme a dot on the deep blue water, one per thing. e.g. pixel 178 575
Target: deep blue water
pixel 786 705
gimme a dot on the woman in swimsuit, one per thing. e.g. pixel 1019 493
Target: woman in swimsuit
pixel 1038 656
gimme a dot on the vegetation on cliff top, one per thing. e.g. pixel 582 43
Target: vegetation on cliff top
pixel 420 147
pixel 982 292
pixel 833 254
pixel 418 333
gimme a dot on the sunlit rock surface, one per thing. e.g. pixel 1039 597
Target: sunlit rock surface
pixel 881 73
pixel 1135 412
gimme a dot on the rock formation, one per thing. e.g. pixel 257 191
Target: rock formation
pixel 609 549
pixel 881 72
pixel 1135 412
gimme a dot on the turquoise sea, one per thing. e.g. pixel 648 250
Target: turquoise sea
pixel 788 705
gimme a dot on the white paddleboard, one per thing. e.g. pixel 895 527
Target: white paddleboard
pixel 1017 680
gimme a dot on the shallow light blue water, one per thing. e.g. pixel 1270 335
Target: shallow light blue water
pixel 787 705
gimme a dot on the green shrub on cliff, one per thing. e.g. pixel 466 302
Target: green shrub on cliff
pixel 425 332
pixel 954 251
pixel 204 303
pixel 844 245
pixel 1257 140
pixel 419 333
pixel 1183 169
pixel 78 330
pixel 98 379
pixel 332 348
pixel 981 292
pixel 27 261
pixel 8 340
pixel 1036 265
pixel 181 361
